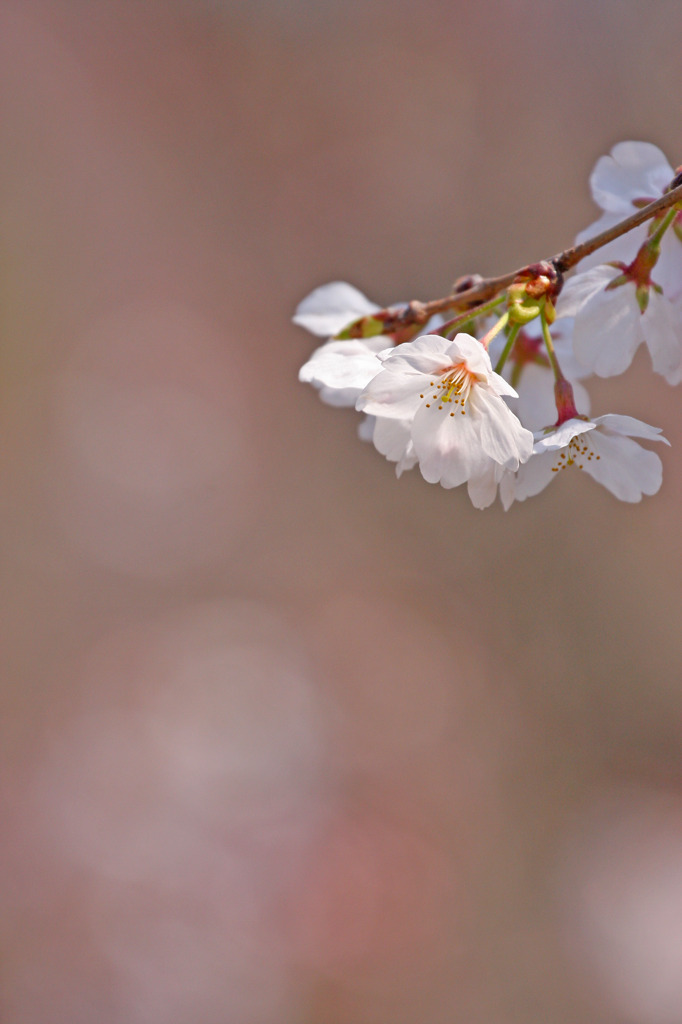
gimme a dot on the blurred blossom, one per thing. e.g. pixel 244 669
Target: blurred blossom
pixel 185 790
pixel 410 692
pixel 153 466
pixel 622 888
pixel 319 803
pixel 225 732
pixel 397 694
pixel 375 893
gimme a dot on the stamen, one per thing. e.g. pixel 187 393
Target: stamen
pixel 454 387
pixel 578 447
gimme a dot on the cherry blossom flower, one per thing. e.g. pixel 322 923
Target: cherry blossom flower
pixel 613 318
pixel 633 175
pixel 610 324
pixel 341 369
pixel 331 307
pixel 602 447
pixel 452 400
pixel 438 403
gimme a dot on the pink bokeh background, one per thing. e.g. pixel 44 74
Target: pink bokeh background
pixel 286 739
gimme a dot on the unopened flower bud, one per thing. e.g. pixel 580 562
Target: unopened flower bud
pixel 677 180
pixel 463 284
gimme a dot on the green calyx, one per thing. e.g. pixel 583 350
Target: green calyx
pixel 366 327
pixel 525 306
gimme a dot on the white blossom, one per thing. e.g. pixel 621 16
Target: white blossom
pixel 341 369
pixel 602 447
pixel 331 307
pixel 452 400
pixel 609 324
pixel 437 402
pixel 634 174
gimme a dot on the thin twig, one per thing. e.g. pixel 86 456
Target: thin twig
pixel 569 257
pixel 488 288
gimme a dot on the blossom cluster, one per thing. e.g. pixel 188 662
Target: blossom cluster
pixel 495 397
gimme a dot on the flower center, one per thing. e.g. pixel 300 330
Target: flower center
pixel 453 388
pixel 576 453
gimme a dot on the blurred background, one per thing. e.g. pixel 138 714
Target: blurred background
pixel 286 739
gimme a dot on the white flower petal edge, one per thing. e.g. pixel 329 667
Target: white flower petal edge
pixel 609 326
pixel 616 423
pixel 483 489
pixel 366 428
pixel 633 171
pixel 331 307
pixel 558 437
pixel 603 447
pixel 452 400
pixel 581 288
pixel 393 439
pixel 341 369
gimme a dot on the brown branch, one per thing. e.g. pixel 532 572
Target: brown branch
pixel 488 288
pixel 569 257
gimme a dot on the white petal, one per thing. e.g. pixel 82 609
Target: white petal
pixel 503 438
pixel 582 287
pixel 560 436
pixel 603 223
pixel 624 467
pixel 668 270
pixel 674 376
pixel 331 307
pixel 501 386
pixel 536 406
pixel 507 489
pixel 408 461
pixel 340 398
pixel 628 426
pixel 532 477
pixel 483 488
pixel 662 329
pixel 340 369
pixel 623 249
pixel 391 437
pixel 427 354
pixel 465 348
pixel 448 447
pixel 608 331
pixel 562 336
pixel 634 170
pixel 426 364
pixel 366 428
pixel 393 394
